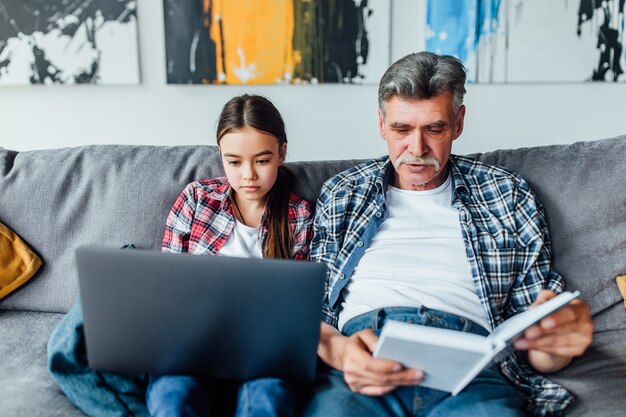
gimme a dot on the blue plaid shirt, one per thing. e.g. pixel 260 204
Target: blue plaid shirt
pixel 506 240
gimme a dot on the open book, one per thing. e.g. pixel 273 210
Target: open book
pixel 450 359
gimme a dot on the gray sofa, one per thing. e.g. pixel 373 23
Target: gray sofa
pixel 60 199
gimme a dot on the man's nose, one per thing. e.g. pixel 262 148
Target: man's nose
pixel 416 143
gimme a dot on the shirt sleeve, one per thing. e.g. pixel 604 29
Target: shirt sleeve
pixel 322 249
pixel 179 222
pixel 535 271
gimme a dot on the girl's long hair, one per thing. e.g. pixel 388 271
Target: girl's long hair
pixel 259 113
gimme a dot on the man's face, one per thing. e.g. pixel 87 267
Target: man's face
pixel 419 135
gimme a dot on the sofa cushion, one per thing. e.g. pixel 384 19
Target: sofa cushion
pixel 597 377
pixel 106 195
pixel 26 387
pixel 581 187
pixel 60 199
pixel 114 194
pixel 18 263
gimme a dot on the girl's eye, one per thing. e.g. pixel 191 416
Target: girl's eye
pixel 262 161
pixel 233 163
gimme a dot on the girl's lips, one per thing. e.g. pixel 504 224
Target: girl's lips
pixel 250 187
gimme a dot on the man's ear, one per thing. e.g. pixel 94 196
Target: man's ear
pixel 460 122
pixel 381 124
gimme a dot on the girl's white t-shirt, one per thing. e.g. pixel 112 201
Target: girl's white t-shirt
pixel 243 242
pixel 416 258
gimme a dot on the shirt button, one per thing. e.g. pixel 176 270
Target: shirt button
pixel 342 276
pixel 359 244
pixel 379 214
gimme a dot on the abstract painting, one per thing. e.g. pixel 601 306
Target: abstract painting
pixel 530 40
pixel 68 42
pixel 276 41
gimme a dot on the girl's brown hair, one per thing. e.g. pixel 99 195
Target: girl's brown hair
pixel 259 113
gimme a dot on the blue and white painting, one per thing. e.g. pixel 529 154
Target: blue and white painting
pixel 530 40
pixel 68 42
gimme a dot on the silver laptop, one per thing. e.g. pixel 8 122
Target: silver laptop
pixel 209 316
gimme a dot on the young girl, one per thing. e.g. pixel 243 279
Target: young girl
pixel 249 213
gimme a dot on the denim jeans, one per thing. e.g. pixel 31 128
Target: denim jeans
pixel 488 394
pixel 185 396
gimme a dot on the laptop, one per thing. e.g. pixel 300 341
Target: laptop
pixel 207 316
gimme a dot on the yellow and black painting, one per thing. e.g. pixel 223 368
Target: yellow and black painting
pixel 276 41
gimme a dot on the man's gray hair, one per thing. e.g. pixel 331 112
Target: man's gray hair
pixel 423 75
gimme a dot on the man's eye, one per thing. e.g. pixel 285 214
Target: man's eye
pixel 435 131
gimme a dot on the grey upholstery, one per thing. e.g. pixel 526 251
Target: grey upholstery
pixel 60 199
pixel 26 387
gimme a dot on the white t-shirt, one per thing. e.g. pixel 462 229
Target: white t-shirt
pixel 416 258
pixel 243 242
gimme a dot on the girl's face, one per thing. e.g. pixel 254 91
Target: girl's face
pixel 251 159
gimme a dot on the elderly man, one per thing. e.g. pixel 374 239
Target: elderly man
pixel 427 237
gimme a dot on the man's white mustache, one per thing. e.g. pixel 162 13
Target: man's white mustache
pixel 412 159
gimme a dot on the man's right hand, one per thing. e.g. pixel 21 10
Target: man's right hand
pixel 362 372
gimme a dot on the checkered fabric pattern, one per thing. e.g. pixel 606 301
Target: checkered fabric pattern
pixel 506 238
pixel 202 219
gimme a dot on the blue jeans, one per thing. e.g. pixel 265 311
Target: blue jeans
pixel 186 396
pixel 488 394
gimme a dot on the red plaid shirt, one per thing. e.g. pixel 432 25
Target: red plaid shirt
pixel 202 219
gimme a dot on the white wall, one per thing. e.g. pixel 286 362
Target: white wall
pixel 323 122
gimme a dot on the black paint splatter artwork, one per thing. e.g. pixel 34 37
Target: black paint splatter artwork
pixel 609 37
pixel 68 41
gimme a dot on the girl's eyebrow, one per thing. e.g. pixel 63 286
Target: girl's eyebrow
pixel 266 152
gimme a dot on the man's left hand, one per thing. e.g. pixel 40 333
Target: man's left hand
pixel 557 338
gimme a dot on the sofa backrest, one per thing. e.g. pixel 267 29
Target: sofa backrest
pixel 108 195
pixel 112 195
pixel 582 187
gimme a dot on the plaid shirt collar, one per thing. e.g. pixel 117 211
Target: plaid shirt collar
pixel 201 220
pixel 351 208
pixel 386 175
pixel 225 195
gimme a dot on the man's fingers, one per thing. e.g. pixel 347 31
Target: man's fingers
pixel 572 312
pixel 374 371
pixel 543 296
pixel 574 345
pixel 363 373
pixel 376 384
pixel 374 390
pixel 575 317
pixel 364 344
pixel 360 358
pixel 368 338
pixel 569 340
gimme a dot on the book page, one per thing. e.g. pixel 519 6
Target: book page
pixel 516 325
pixel 446 356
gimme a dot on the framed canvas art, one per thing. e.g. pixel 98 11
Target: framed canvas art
pixel 276 41
pixel 509 41
pixel 68 42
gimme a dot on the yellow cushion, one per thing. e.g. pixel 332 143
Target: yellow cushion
pixel 17 261
pixel 621 283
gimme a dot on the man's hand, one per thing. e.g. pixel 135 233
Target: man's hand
pixel 557 338
pixel 363 373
